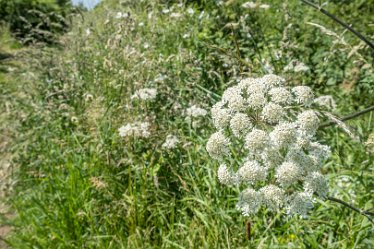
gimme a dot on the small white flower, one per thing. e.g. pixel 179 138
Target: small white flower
pixel 249 5
pixel 240 124
pixel 233 97
pixel 315 182
pixel 145 94
pixel 256 140
pixel 308 121
pixel 175 15
pixel 252 172
pixel 299 203
pixel 283 134
pixel 225 176
pixel 320 151
pixel 136 129
pixel 256 101
pixel 264 6
pixel 249 202
pixel 196 112
pixel 273 197
pixel 171 142
pixel 303 95
pixel 220 115
pixel 217 145
pixel 288 173
pixel 120 15
pixel 326 102
pixel 190 11
pixel 280 95
pixel 272 80
pixel 273 113
pixel 258 86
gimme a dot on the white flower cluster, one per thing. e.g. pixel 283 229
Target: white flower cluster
pixel 171 142
pixel 253 5
pixel 277 158
pixel 136 130
pixel 145 94
pixel 194 112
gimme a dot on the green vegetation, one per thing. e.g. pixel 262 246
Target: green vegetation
pixel 80 185
pixel 36 20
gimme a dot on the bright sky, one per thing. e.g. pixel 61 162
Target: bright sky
pixel 88 3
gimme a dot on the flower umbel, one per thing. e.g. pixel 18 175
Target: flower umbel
pixel 274 155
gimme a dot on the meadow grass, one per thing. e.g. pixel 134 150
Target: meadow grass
pixel 80 185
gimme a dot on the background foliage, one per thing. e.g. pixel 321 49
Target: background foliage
pixel 36 20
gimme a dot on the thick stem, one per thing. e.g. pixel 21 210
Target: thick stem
pixel 348 117
pixel 355 32
pixel 367 214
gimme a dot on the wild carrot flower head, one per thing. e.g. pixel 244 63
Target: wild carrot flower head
pixel 145 94
pixel 136 130
pixel 265 143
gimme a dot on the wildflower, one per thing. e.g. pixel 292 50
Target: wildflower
pixel 273 196
pixel 145 94
pixel 299 203
pixel 282 156
pixel 252 172
pixel 256 101
pixel 288 173
pixel 264 6
pixel 256 140
pixel 196 112
pixel 249 5
pixel 303 94
pixel 217 145
pixel 225 176
pixel 171 142
pixel 283 134
pixel 233 96
pixel 280 95
pixel 190 11
pixel 249 202
pixel 220 115
pixel 240 124
pixel 273 113
pixel 272 80
pixel 326 101
pixel 308 120
pixel 316 183
pixel 121 15
pixel 175 15
pixel 136 130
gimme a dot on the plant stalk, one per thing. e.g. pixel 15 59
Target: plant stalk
pixel 367 214
pixel 345 25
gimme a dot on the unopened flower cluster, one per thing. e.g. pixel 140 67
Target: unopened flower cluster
pixel 265 142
